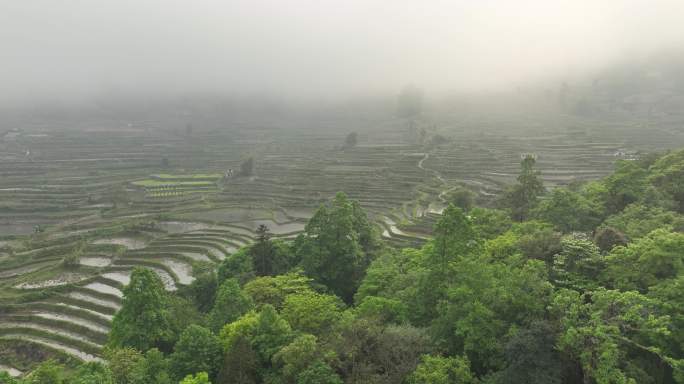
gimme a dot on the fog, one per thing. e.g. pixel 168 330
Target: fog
pixel 80 49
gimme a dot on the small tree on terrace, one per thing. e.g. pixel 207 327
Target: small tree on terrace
pixel 351 140
pixel 462 198
pixel 247 167
pixel 143 321
pixel 522 196
pixel 262 252
pixel 119 195
pixel 73 259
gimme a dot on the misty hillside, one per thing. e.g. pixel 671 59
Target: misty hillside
pixel 356 192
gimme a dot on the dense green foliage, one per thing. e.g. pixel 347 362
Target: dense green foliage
pixel 336 246
pixel 578 285
pixel 230 304
pixel 143 321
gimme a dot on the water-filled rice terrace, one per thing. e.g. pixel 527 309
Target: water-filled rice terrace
pixel 142 195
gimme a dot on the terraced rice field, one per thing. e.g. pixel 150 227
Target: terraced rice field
pixel 100 184
pixel 169 186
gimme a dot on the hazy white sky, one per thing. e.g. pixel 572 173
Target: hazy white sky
pixel 308 47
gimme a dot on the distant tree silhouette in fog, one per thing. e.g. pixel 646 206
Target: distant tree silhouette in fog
pixel 351 140
pixel 247 167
